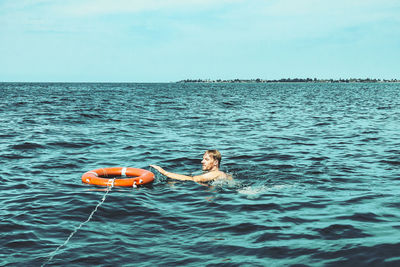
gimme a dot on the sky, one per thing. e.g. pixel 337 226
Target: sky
pixel 172 40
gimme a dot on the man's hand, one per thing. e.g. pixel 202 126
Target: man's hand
pixel 159 169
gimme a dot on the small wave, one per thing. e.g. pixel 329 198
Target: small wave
pixel 13 227
pixel 369 139
pixel 7 135
pixel 360 199
pixel 46 102
pixel 14 156
pixel 20 244
pixel 340 231
pixel 362 217
pixel 304 144
pixel 278 156
pixel 318 158
pixel 20 104
pixel 70 144
pixel 165 102
pixel 391 162
pixel 27 146
pixel 87 115
pixel 322 124
pixel 243 228
pixel 387 107
pixel 56 165
pixel 228 104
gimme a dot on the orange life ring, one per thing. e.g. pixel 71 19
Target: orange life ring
pixel 104 176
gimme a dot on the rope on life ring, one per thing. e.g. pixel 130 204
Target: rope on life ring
pixel 106 176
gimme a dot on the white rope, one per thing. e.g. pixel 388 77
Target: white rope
pixel 51 255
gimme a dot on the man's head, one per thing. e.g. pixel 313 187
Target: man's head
pixel 211 160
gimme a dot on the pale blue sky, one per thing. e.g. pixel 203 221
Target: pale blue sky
pixel 170 40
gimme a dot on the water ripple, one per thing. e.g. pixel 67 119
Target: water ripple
pixel 315 167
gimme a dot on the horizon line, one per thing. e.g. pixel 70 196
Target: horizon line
pixel 237 80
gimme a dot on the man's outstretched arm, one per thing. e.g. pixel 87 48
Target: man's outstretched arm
pixel 172 175
pixel 198 178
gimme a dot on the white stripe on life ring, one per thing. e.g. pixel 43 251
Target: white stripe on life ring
pixel 123 172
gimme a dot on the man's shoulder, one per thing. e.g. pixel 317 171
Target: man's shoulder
pixel 209 176
pixel 222 175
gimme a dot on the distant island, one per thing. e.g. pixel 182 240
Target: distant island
pixel 293 80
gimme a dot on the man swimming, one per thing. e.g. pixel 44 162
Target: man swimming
pixel 210 165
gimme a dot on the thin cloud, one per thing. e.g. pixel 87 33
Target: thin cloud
pixel 289 19
pixel 103 7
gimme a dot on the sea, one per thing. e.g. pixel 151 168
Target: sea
pixel 315 166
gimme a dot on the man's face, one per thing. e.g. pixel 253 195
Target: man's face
pixel 208 162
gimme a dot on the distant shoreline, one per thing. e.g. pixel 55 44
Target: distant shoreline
pixel 288 80
pixel 293 80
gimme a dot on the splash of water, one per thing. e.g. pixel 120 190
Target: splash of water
pixel 254 191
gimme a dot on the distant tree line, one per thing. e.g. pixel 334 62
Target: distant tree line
pixel 292 80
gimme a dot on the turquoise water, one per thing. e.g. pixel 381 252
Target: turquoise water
pixel 316 168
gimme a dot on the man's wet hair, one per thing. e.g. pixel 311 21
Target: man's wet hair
pixel 215 154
